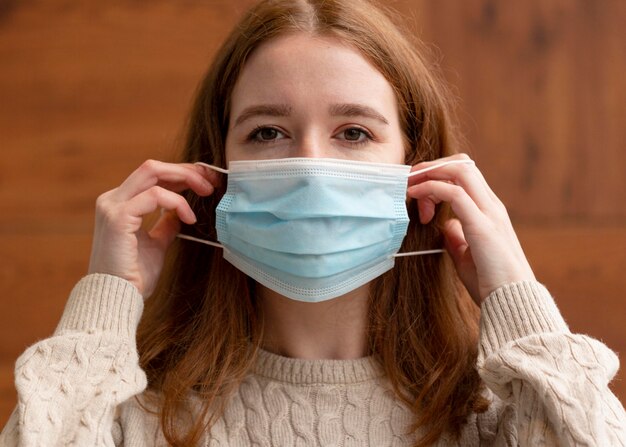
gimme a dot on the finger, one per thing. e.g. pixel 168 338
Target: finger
pixel 426 208
pixel 175 177
pixel 165 229
pixel 214 177
pixel 455 242
pixel 462 204
pixel 456 157
pixel 460 252
pixel 158 197
pixel 465 175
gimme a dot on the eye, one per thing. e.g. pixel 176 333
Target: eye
pixel 355 135
pixel 264 134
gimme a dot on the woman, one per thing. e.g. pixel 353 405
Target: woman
pixel 306 325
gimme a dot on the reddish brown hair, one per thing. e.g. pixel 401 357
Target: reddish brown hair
pixel 202 327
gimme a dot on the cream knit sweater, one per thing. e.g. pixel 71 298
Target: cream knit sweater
pixel 547 386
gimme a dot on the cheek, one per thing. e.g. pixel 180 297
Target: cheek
pixel 399 143
pixel 399 150
pixel 232 150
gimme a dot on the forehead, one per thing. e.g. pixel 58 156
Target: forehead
pixel 300 67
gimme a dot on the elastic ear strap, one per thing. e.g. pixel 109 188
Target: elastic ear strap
pixel 441 165
pixel 418 253
pixel 215 168
pixel 202 241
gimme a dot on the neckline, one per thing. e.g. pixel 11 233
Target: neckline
pixel 311 372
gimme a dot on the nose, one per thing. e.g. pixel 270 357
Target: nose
pixel 311 145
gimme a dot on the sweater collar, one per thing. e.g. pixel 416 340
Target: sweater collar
pixel 310 372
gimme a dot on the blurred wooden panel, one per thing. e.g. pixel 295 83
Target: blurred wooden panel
pixel 8 395
pixel 38 271
pixel 543 98
pixel 583 269
pixel 89 91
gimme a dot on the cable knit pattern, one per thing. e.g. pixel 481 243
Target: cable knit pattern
pixel 557 380
pixel 70 384
pixel 546 385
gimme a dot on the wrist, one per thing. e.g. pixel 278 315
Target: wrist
pixel 102 303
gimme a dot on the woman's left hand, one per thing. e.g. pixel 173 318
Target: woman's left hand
pixel 482 243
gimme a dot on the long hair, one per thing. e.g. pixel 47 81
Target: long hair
pixel 202 327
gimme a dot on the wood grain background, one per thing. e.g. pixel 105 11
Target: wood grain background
pixel 88 90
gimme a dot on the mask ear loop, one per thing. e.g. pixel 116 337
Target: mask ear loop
pixel 202 241
pixel 440 165
pixel 418 253
pixel 215 168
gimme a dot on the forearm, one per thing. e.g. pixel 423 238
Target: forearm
pixel 70 384
pixel 557 381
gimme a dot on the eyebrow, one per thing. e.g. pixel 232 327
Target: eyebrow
pixel 285 110
pixel 263 110
pixel 357 110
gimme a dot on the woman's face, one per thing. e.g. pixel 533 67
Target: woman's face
pixel 303 96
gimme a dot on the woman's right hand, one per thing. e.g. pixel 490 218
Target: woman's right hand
pixel 121 247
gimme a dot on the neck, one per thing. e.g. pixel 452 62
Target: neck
pixel 333 329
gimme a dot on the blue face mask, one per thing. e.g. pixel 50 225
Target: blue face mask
pixel 313 229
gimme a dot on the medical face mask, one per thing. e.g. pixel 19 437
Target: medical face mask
pixel 313 229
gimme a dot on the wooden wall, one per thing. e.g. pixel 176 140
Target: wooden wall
pixel 88 90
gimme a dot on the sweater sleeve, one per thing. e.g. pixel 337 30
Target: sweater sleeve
pixel 554 383
pixel 69 385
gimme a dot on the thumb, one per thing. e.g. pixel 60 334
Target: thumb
pixel 454 239
pixel 459 250
pixel 165 229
